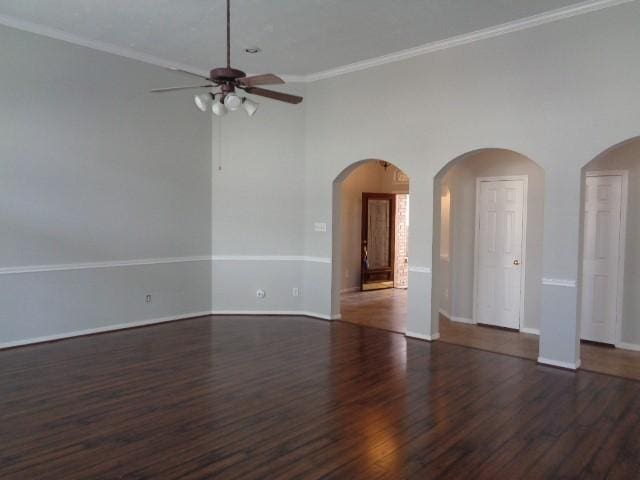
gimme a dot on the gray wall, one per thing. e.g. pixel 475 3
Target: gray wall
pixel 458 272
pixel 123 175
pixel 559 93
pixel 95 169
pixel 627 157
pixel 258 209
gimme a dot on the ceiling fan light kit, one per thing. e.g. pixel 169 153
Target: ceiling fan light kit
pixel 203 101
pixel 249 106
pixel 218 108
pixel 228 80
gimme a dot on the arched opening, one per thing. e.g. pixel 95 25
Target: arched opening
pixel 370 266
pixel 609 304
pixel 487 251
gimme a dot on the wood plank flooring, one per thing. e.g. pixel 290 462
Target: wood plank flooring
pixel 387 309
pixel 275 397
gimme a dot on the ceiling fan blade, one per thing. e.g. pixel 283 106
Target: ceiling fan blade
pixel 283 97
pixel 266 79
pixel 173 89
pixel 174 69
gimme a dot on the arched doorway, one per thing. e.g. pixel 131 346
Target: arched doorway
pixel 370 267
pixel 609 280
pixel 487 251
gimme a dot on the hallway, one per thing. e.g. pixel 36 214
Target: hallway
pixel 387 310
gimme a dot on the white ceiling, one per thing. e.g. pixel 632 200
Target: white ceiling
pixel 297 37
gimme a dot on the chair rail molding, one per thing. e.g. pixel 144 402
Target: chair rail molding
pixel 101 264
pixel 559 282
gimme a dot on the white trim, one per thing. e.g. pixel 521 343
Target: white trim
pixel 129 53
pixel 476 254
pixel 557 363
pixel 422 336
pixel 107 264
pixel 107 328
pixel 288 313
pixel 350 290
pixel 269 258
pixel 464 39
pixel 628 346
pixel 468 321
pixel 530 331
pixel 154 321
pixel 420 269
pixel 559 282
pixel 485 33
pixel 622 241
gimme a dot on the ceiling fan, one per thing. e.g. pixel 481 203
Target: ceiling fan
pixel 228 80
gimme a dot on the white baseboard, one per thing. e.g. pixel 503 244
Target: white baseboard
pixel 531 331
pixel 628 346
pixel 444 313
pixel 153 321
pixel 107 328
pixel 557 363
pixel 422 336
pixel 350 290
pixel 462 320
pixel 287 313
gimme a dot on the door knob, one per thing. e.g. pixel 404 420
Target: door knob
pixel 516 262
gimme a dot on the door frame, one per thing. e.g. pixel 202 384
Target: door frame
pixel 624 200
pixel 392 232
pixel 476 248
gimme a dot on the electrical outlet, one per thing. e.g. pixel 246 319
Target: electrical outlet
pixel 147 299
pixel 320 227
pixel 295 291
pixel 261 293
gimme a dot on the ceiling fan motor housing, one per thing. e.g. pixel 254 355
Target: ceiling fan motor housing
pixel 226 74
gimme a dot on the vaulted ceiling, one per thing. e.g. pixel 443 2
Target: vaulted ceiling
pixel 297 37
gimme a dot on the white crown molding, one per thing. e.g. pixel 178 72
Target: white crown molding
pixel 559 364
pixel 56 34
pixel 94 265
pixel 108 328
pixel 559 282
pixel 420 269
pixel 490 32
pixel 269 258
pixel 485 33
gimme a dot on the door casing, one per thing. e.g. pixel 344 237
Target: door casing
pixel 387 272
pixel 622 246
pixel 525 183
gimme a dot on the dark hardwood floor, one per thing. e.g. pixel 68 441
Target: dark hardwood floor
pixel 273 397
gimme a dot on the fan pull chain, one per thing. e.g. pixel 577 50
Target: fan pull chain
pixel 219 144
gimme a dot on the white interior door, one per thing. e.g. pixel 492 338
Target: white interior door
pixel 601 257
pixel 499 252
